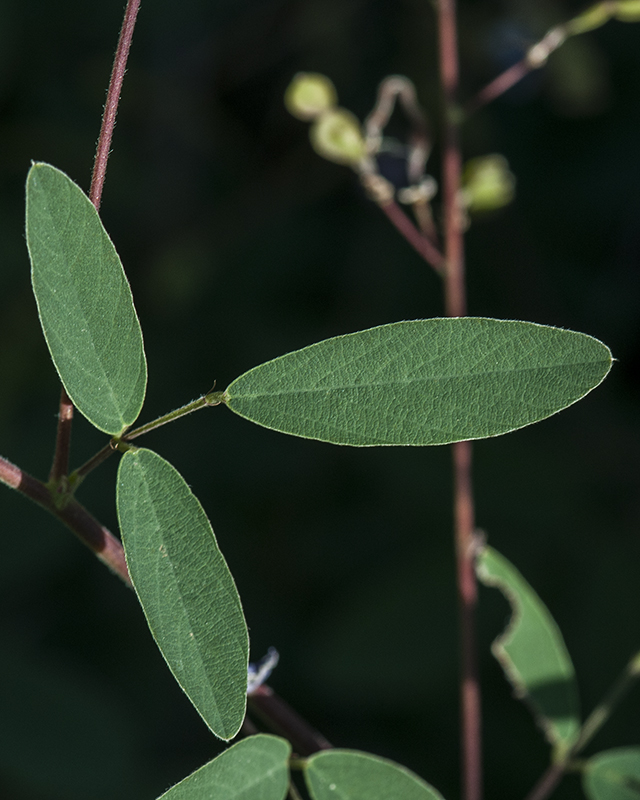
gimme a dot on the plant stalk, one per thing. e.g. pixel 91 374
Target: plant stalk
pixel 111 104
pixel 456 306
pixel 98 538
pixel 283 720
pixel 60 466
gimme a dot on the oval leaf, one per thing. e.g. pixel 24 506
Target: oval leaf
pixel 254 769
pixel 84 302
pixel 422 382
pixel 185 588
pixel 613 775
pixel 532 652
pixel 351 775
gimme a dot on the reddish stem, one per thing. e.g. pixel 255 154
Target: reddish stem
pixel 60 466
pixel 111 105
pixel 548 782
pixel 455 304
pixel 282 719
pixel 98 538
pixel 420 243
pixel 499 85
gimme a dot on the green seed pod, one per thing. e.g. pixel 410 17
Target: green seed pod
pixel 594 17
pixel 627 10
pixel 487 183
pixel 309 94
pixel 337 136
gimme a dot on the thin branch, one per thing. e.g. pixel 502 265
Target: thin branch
pixel 282 719
pixel 60 466
pixel 111 104
pixel 213 399
pixel 381 191
pixel 90 532
pixel 417 240
pixel 548 782
pixel 456 304
pixel 514 74
pixel 538 54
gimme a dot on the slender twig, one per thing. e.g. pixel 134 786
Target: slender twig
pixel 213 399
pixel 98 538
pixel 538 54
pixel 78 475
pixel 455 304
pixel 548 782
pixel 514 74
pixel 282 719
pixel 60 466
pixel 111 104
pixel 420 243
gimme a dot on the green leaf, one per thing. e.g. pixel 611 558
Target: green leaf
pixel 351 775
pixel 185 588
pixel 84 302
pixel 532 652
pixel 253 769
pixel 422 382
pixel 613 775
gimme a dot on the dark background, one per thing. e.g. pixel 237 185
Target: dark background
pixel 241 244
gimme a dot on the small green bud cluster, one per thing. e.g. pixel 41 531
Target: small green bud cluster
pixel 487 183
pixel 597 15
pixel 336 134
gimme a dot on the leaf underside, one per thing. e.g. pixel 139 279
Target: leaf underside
pixel 422 382
pixel 352 775
pixel 185 588
pixel 532 652
pixel 255 768
pixel 84 302
pixel 613 775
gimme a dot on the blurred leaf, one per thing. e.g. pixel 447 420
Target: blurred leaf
pixel 350 775
pixel 186 590
pixel 422 382
pixel 84 302
pixel 256 768
pixel 613 775
pixel 532 652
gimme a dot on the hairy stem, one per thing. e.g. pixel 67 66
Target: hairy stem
pixel 456 306
pixel 205 401
pixel 111 104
